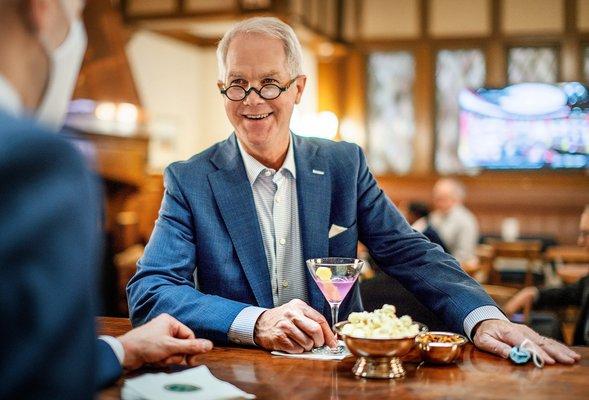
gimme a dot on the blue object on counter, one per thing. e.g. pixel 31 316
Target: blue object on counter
pixel 524 352
pixel 519 355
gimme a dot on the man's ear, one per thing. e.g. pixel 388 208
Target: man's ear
pixel 300 86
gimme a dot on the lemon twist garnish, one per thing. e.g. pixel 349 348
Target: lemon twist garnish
pixel 324 273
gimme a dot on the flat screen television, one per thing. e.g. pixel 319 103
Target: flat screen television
pixel 525 126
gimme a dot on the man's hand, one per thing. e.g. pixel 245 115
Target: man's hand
pixel 522 299
pixel 498 337
pixel 293 327
pixel 163 341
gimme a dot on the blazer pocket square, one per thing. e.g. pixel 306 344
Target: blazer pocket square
pixel 336 230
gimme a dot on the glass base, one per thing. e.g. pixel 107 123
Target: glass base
pixel 326 350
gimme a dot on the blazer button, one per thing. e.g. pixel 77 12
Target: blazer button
pixel 285 283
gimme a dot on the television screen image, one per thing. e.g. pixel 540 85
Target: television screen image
pixel 525 126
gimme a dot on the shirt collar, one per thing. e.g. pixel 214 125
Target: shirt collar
pixel 10 101
pixel 253 167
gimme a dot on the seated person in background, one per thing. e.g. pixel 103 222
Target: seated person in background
pixel 49 233
pixel 455 224
pixel 418 218
pixel 237 222
pixel 575 294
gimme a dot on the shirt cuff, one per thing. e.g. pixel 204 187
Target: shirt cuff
pixel 481 314
pixel 242 328
pixel 116 346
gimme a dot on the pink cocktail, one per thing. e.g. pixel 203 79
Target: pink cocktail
pixel 334 276
pixel 336 289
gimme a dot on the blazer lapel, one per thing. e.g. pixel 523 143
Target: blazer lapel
pixel 234 197
pixel 314 198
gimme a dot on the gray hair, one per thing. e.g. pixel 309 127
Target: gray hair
pixel 456 187
pixel 269 26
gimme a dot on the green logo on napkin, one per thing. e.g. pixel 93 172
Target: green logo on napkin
pixel 181 387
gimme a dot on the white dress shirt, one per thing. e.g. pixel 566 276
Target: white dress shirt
pixel 275 199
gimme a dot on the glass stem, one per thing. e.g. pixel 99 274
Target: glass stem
pixel 334 313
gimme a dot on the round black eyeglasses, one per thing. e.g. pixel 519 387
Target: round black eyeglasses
pixel 267 92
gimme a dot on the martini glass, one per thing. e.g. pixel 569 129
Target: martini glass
pixel 335 276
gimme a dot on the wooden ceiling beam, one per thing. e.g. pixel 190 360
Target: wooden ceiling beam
pixel 189 38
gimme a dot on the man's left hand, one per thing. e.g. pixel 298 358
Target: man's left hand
pixel 498 337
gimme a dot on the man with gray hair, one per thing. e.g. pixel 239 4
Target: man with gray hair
pixel 456 225
pixel 237 222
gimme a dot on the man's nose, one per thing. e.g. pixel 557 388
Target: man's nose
pixel 253 99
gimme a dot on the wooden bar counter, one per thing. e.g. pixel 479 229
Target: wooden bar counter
pixel 477 376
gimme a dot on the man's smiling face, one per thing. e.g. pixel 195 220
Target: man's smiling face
pixel 261 125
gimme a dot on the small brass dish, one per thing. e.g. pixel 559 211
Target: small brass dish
pixel 378 358
pixel 440 347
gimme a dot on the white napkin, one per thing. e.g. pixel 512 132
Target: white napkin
pixel 153 386
pixel 312 356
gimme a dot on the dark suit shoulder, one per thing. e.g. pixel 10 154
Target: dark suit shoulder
pixel 50 239
pixel 22 137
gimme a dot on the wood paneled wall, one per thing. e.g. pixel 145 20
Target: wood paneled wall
pixel 147 204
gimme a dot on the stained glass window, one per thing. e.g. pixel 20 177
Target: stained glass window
pixel 532 64
pixel 391 122
pixel 455 70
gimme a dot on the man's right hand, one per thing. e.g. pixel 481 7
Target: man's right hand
pixel 162 341
pixel 294 327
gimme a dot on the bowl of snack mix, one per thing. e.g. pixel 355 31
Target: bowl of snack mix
pixel 440 347
pixel 378 339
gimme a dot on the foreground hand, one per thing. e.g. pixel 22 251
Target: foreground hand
pixel 293 327
pixel 164 341
pixel 498 337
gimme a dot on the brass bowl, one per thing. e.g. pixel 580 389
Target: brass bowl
pixel 378 358
pixel 440 352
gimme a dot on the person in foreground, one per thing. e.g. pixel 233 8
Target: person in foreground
pixel 237 222
pixel 575 294
pixel 48 224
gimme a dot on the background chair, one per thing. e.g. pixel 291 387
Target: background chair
pixel 510 257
